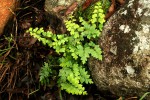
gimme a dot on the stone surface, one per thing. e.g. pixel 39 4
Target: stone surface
pixel 6 11
pixel 58 11
pixel 60 6
pixel 125 40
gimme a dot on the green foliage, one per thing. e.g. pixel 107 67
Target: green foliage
pixel 75 47
pixel 72 78
pixel 142 98
pixel 45 73
pixel 49 72
pixel 9 46
pixel 96 12
pixel 105 5
pixel 98 16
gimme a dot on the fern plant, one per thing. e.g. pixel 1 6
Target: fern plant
pixel 45 73
pixel 76 47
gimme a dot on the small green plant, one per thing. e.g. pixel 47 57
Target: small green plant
pixel 9 46
pixel 75 48
pixel 45 73
pixel 105 5
pixel 96 11
pixel 143 96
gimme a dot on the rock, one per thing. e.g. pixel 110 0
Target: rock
pixel 58 11
pixel 7 8
pixel 125 40
pixel 62 7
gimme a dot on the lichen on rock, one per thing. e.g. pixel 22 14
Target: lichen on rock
pixel 125 40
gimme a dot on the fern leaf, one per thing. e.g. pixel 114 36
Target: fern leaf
pixel 73 90
pixel 85 78
pixel 45 73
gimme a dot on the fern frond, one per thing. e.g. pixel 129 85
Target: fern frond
pixel 70 80
pixel 98 17
pixel 45 73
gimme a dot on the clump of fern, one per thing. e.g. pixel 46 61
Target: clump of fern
pixel 96 10
pixel 75 47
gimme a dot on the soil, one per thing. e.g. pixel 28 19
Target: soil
pixel 21 58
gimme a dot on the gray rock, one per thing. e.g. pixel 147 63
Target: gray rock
pixel 125 40
pixel 55 6
pixel 58 11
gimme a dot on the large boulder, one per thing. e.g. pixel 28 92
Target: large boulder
pixel 7 8
pixel 125 40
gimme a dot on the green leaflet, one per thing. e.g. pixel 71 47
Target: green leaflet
pixel 84 77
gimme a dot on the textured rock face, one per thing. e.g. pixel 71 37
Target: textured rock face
pixel 58 6
pixel 6 11
pixel 125 40
pixel 57 11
